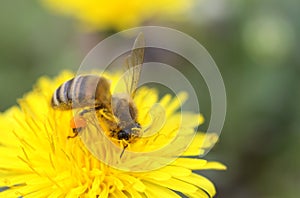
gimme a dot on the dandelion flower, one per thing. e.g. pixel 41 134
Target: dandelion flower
pixel 37 160
pixel 118 14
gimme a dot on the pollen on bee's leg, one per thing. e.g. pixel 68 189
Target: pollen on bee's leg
pixel 104 113
pixel 77 123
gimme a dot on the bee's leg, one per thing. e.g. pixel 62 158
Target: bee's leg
pixel 80 121
pixel 89 110
pixel 85 111
pixel 123 150
pixel 75 131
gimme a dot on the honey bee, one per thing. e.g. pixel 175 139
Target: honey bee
pixel 92 93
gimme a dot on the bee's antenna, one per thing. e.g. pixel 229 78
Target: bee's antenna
pixel 123 150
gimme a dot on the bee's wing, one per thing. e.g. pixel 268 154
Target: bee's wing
pixel 92 128
pixel 133 65
pixel 94 137
pixel 158 119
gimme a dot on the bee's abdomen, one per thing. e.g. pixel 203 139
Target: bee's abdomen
pixel 62 97
pixel 81 91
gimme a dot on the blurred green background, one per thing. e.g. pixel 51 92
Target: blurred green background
pixel 254 43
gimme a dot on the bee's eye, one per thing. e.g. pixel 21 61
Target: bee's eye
pixel 123 135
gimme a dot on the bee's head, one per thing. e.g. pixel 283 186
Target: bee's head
pixel 129 132
pixel 124 134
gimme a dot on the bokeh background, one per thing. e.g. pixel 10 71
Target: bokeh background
pixel 254 43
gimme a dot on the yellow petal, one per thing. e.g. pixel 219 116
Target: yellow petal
pixel 190 163
pixel 165 100
pixel 133 193
pixel 158 175
pixel 153 190
pixel 214 166
pixel 58 193
pixel 201 182
pixel 176 103
pixel 176 171
pixel 95 188
pixel 175 184
pixel 118 194
pixel 75 192
pixel 191 119
pixel 137 184
pixel 199 194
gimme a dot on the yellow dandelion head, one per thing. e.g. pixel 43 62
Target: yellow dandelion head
pixel 37 159
pixel 118 14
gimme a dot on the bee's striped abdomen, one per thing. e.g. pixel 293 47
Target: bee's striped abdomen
pixel 82 91
pixel 62 97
